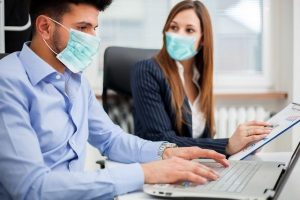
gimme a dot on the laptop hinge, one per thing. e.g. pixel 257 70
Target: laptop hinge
pixel 280 176
pixel 269 193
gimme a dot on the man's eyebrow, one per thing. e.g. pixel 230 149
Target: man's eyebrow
pixel 87 24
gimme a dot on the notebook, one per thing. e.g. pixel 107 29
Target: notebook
pixel 281 122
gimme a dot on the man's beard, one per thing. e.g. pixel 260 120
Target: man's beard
pixel 57 45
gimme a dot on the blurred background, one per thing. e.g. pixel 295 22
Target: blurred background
pixel 257 54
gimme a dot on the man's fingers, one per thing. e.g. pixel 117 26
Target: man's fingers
pixel 223 162
pixel 196 152
pixel 203 171
pixel 192 177
pixel 195 166
pixel 201 166
pixel 206 153
pixel 199 169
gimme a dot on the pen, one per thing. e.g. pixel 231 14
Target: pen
pixel 272 125
pixel 269 126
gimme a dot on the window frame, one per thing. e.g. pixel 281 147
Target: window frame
pixel 254 81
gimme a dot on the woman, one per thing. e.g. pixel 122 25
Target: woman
pixel 173 92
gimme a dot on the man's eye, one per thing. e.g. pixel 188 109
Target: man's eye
pixel 82 28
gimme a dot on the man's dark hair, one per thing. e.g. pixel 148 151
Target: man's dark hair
pixel 57 8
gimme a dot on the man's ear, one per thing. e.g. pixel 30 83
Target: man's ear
pixel 44 26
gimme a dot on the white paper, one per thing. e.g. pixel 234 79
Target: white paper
pixel 281 122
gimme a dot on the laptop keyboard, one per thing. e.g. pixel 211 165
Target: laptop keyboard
pixel 232 179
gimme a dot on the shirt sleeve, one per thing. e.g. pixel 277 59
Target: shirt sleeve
pixel 113 142
pixel 24 175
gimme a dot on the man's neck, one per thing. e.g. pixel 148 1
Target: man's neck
pixel 40 48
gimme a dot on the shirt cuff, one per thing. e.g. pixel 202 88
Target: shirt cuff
pixel 150 151
pixel 221 146
pixel 127 177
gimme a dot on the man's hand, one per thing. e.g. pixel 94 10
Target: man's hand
pixel 177 166
pixel 176 169
pixel 190 153
pixel 246 134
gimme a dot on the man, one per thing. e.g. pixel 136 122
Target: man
pixel 48 113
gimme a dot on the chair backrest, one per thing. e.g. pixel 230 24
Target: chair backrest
pixel 118 62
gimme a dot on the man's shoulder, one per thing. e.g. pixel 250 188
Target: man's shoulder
pixel 12 69
pixel 11 66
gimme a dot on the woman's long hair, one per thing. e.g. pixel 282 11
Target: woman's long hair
pixel 204 63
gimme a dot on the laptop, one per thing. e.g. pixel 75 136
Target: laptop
pixel 242 180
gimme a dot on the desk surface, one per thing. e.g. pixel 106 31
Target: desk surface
pixel 278 156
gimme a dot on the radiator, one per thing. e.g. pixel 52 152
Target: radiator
pixel 228 118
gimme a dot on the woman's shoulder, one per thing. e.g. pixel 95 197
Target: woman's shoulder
pixel 148 70
pixel 148 66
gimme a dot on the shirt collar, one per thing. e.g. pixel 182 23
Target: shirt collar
pixel 196 74
pixel 36 68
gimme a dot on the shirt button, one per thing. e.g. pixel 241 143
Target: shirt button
pixel 71 165
pixel 58 77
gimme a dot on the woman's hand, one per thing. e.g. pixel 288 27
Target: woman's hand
pixel 246 134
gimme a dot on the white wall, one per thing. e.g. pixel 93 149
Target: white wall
pixel 296 64
pixel 287 60
pixel 282 60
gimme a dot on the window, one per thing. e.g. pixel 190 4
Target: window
pixel 240 35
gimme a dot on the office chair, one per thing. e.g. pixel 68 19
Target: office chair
pixel 118 62
pixel 15 25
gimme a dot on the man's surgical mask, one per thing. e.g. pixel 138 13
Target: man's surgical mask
pixel 180 47
pixel 79 52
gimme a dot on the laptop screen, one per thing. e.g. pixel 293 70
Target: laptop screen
pixel 287 186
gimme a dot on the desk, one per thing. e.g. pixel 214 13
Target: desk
pixel 278 156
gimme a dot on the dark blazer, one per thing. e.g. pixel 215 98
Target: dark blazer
pixel 154 118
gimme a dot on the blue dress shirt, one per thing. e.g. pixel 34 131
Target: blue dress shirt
pixel 46 118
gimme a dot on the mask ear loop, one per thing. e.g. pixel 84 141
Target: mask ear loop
pixel 49 47
pixel 60 25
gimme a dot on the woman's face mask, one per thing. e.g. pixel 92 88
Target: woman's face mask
pixel 180 47
pixel 80 49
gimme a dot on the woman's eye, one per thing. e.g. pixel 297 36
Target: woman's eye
pixel 174 28
pixel 189 30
